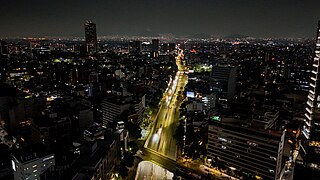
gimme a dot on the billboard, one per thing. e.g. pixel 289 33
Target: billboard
pixel 190 94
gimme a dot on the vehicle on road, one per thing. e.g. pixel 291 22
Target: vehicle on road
pixel 159 130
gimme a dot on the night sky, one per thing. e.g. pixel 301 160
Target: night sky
pixel 257 18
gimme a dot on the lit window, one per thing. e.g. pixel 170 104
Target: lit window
pixel 273 158
pixel 222 139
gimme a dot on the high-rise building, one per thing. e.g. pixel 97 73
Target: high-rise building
pixel 310 146
pixel 135 47
pixel 3 48
pixel 223 81
pixel 90 36
pixel 250 143
pixel 155 48
pixel 249 149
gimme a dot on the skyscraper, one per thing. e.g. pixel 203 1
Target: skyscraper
pixel 310 146
pixel 155 48
pixel 90 36
pixel 223 81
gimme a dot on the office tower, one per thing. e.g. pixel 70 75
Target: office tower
pixel 310 147
pixel 90 36
pixel 135 47
pixel 155 48
pixel 223 81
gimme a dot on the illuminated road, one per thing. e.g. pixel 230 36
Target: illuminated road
pixel 152 171
pixel 171 165
pixel 160 147
pixel 161 137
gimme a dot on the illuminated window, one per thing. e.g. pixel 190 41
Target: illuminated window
pixel 252 143
pixel 222 139
pixel 314 143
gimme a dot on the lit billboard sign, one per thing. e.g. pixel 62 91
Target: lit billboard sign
pixel 190 94
pixel 216 118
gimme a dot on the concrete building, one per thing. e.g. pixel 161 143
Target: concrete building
pixel 97 159
pixel 250 149
pixel 113 107
pixel 32 165
pixel 195 106
pixel 247 143
pixel 53 129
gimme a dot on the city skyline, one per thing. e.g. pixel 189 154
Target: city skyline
pixel 146 89
pixel 283 19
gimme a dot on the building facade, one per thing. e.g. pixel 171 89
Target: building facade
pixel 223 82
pixel 310 146
pixel 256 151
pixel 90 37
pixel 98 159
pixel 32 167
pixel 155 48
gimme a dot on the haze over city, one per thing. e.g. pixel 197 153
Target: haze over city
pixel 256 18
pixel 172 90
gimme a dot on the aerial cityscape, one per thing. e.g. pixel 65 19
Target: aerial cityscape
pixel 160 90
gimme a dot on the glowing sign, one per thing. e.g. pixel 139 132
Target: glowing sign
pixel 190 94
pixel 216 118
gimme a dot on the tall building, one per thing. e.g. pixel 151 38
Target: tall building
pixel 248 149
pixel 135 47
pixel 248 143
pixel 97 160
pixel 310 146
pixel 155 48
pixel 223 82
pixel 3 48
pixel 90 37
pixel 113 107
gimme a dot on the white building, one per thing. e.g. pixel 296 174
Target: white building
pixel 32 167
